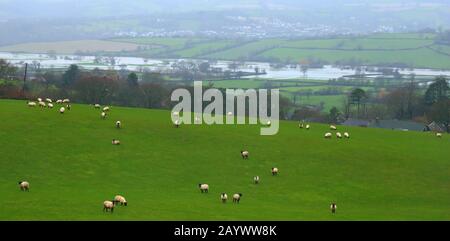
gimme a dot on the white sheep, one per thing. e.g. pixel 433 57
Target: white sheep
pixel 118 124
pixel 300 125
pixel 32 104
pixel 268 123
pixel 332 127
pixel 62 110
pixel 49 100
pixel 333 207
pixel 224 197
pixel 120 199
pixel 307 127
pixel 39 99
pixel 256 179
pixel 204 188
pixel 346 135
pixel 108 206
pixel 42 104
pixel 328 135
pixel 97 106
pixel 274 171
pixel 106 108
pixel 59 101
pixel 175 113
pixel 230 113
pixel 68 106
pixel 115 142
pixel 66 101
pixel 237 197
pixel 24 186
pixel 103 115
pixel 197 119
pixel 439 135
pixel 50 105
pixel 244 154
pixel 338 135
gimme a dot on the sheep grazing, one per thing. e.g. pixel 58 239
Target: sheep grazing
pixel 176 123
pixel 346 135
pixel 230 113
pixel 328 135
pixel 24 186
pixel 62 110
pixel 68 107
pixel 115 142
pixel 268 123
pixel 307 127
pixel 120 199
pixel 333 128
pixel 224 197
pixel 42 104
pixel 106 109
pixel 338 135
pixel 256 179
pixel 103 115
pixel 32 104
pixel 274 171
pixel 66 101
pixel 204 188
pixel 50 105
pixel 39 99
pixel 244 154
pixel 108 206
pixel 118 124
pixel 49 100
pixel 59 101
pixel 237 197
pixel 439 135
pixel 300 125
pixel 97 106
pixel 333 207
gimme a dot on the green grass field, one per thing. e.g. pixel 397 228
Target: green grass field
pixel 72 168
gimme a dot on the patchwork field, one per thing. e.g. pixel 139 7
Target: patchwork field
pixel 72 168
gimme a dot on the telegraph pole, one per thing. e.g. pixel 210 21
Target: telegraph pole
pixel 24 78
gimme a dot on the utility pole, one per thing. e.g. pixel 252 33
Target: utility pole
pixel 24 78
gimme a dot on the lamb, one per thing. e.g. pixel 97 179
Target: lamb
pixel 108 206
pixel 307 127
pixel 333 207
pixel 177 123
pixel 50 105
pixel 106 109
pixel 439 135
pixel 62 110
pixel 244 154
pixel 24 186
pixel 120 199
pixel 256 179
pixel 97 106
pixel 32 104
pixel 274 171
pixel 118 124
pixel 346 135
pixel 49 100
pixel 103 115
pixel 328 135
pixel 115 142
pixel 204 188
pixel 224 197
pixel 338 135
pixel 333 128
pixel 237 197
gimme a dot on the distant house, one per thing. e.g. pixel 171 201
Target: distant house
pixel 433 126
pixel 398 125
pixel 356 122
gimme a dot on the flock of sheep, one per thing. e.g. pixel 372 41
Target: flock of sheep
pixel 204 188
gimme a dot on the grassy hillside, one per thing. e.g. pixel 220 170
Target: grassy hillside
pixel 73 168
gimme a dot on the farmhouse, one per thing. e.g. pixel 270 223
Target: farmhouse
pixel 398 125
